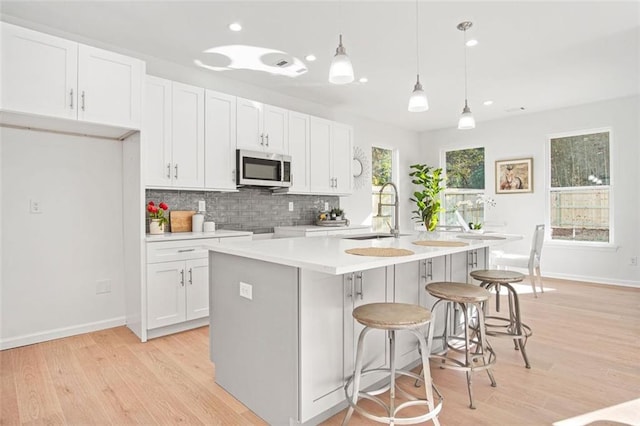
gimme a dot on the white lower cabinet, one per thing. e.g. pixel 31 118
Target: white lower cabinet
pixel 177 292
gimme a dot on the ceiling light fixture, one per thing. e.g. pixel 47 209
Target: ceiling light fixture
pixel 310 58
pixel 363 80
pixel 487 103
pixel 466 119
pixel 341 70
pixel 418 101
pixel 472 42
pixel 235 27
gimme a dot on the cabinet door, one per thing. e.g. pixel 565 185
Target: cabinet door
pixel 275 125
pixel 165 294
pixel 433 270
pixel 368 287
pixel 406 289
pixel 220 141
pixel 39 73
pixel 156 131
pixel 187 136
pixel 477 259
pixel 458 267
pixel 299 151
pixel 342 157
pixel 197 285
pixel 249 125
pixel 109 87
pixel 320 179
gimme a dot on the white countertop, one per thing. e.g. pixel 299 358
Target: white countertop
pixel 327 254
pixel 177 236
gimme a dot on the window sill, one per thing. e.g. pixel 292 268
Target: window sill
pixel 581 245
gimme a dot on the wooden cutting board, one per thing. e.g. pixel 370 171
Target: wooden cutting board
pixel 181 220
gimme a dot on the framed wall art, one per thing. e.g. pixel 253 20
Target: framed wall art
pixel 514 176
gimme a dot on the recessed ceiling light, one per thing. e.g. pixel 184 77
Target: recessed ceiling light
pixel 487 103
pixel 363 79
pixel 310 58
pixel 235 27
pixel 472 42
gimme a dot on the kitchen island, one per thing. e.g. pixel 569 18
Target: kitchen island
pixel 282 335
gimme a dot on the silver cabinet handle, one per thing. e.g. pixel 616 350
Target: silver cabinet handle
pixel 190 276
pixel 262 139
pixel 267 136
pixel 360 293
pixel 82 97
pixel 336 179
pixel 233 175
pixel 430 273
pixel 182 277
pixel 71 99
pixel 176 168
pixel 475 258
pixel 186 250
pixel 168 170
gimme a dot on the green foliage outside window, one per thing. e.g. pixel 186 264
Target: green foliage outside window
pixel 381 166
pixel 465 168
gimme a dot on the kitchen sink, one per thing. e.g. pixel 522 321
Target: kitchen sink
pixel 371 237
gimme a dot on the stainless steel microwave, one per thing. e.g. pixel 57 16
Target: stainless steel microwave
pixel 262 169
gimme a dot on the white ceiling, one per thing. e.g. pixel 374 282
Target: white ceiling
pixel 536 55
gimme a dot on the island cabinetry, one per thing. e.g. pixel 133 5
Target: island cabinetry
pixel 53 77
pixel 404 285
pixel 462 263
pixel 261 127
pixel 177 283
pixel 331 153
pixel 173 133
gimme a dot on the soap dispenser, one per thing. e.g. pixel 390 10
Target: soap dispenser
pixel 197 220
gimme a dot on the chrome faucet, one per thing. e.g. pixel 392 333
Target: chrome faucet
pixel 395 230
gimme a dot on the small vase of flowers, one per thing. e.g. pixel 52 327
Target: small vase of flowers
pixel 157 217
pixel 476 225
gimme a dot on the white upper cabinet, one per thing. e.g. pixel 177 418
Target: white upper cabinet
pixel 220 141
pixel 331 153
pixel 53 77
pixel 109 87
pixel 173 134
pixel 299 152
pixel 261 127
pixel 39 73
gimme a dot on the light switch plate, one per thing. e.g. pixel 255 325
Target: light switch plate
pixel 246 290
pixel 35 207
pixel 202 206
pixel 290 206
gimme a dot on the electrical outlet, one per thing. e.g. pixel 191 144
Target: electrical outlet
pixel 202 206
pixel 633 261
pixel 35 207
pixel 326 206
pixel 103 286
pixel 246 290
pixel 290 206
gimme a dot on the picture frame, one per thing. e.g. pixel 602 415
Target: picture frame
pixel 514 176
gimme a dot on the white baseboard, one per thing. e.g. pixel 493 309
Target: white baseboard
pixel 594 280
pixel 43 336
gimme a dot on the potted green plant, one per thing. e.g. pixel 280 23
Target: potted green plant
pixel 427 199
pixel 336 213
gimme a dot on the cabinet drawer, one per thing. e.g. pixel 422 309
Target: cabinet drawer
pixel 168 251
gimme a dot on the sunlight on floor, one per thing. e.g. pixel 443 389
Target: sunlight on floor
pixel 625 413
pixel 525 288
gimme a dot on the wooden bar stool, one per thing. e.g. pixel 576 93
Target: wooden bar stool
pixel 511 326
pixel 393 317
pixel 478 354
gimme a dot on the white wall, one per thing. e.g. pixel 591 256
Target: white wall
pixel 526 136
pixel 51 261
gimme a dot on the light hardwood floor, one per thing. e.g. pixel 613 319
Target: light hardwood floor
pixel 585 353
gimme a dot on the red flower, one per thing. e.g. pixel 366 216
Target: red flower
pixel 157 212
pixel 151 203
pixel 164 206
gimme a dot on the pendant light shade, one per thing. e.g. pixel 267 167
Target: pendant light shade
pixel 418 101
pixel 466 120
pixel 341 70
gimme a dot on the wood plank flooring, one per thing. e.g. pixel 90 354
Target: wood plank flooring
pixel 584 353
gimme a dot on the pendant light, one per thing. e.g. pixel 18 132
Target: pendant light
pixel 341 70
pixel 418 100
pixel 466 119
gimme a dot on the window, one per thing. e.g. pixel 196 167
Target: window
pixel 580 192
pixel 465 183
pixel 381 173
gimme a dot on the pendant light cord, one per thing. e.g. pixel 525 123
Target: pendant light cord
pixel 417 43
pixel 465 65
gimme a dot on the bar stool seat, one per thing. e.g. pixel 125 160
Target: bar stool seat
pixel 500 326
pixel 478 353
pixel 393 317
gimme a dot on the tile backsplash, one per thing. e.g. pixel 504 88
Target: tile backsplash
pixel 251 209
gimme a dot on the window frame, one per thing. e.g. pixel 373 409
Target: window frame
pixel 461 191
pixel 395 162
pixel 549 190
